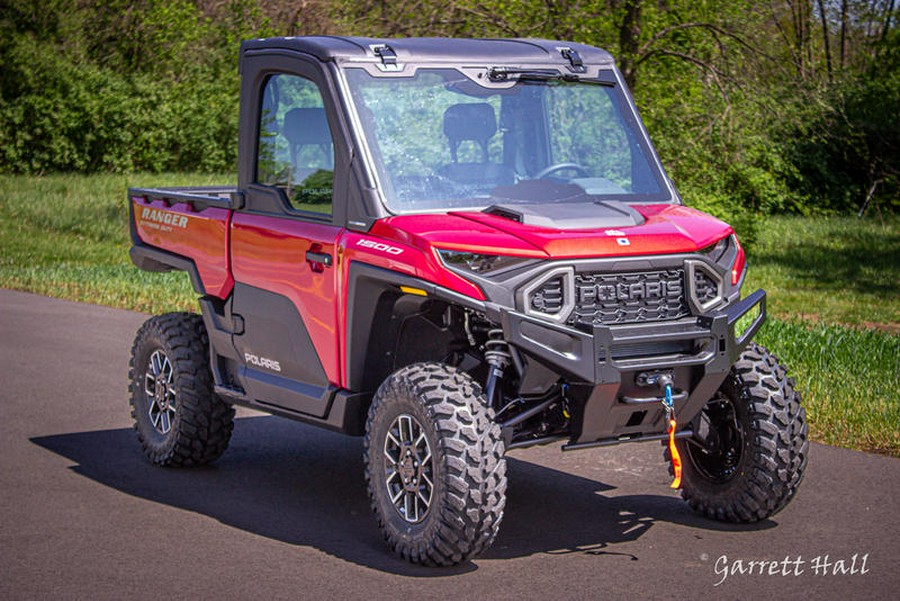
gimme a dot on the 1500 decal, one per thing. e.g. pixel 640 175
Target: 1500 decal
pixel 391 250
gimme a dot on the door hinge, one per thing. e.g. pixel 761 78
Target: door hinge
pixel 387 55
pixel 575 62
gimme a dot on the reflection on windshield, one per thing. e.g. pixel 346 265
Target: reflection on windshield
pixel 439 141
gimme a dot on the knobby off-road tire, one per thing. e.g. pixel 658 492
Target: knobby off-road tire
pixel 444 509
pixel 178 418
pixel 754 470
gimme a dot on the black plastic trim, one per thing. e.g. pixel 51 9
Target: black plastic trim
pixel 293 395
pixel 614 441
pixel 316 257
pixel 152 259
pixel 217 318
pixel 366 284
pixel 286 369
pixel 199 197
pixel 505 288
pixel 589 359
pixel 346 415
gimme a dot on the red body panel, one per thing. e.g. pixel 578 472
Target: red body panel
pixel 668 229
pixel 413 257
pixel 270 253
pixel 456 231
pixel 198 235
pixel 413 261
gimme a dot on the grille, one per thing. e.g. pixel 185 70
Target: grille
pixel 549 297
pixel 652 349
pixel 604 299
pixel 705 287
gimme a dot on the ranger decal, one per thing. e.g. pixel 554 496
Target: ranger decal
pixel 157 219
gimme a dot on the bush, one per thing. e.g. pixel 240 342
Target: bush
pixel 63 110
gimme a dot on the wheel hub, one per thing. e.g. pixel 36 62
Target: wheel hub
pixel 160 394
pixel 716 451
pixel 410 470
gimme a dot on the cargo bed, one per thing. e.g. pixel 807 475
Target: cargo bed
pixel 185 228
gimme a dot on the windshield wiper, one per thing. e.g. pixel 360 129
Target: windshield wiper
pixel 501 74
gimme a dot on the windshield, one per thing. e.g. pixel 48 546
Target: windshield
pixel 441 141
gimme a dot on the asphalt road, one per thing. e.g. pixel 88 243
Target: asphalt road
pixel 284 515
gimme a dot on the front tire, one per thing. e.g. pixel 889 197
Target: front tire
pixel 179 419
pixel 434 465
pixel 750 446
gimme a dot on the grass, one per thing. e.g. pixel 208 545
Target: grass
pixel 848 378
pixel 833 283
pixel 830 269
pixel 833 288
pixel 67 236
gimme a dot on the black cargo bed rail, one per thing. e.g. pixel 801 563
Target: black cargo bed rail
pixel 199 197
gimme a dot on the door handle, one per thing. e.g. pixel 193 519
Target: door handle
pixel 321 258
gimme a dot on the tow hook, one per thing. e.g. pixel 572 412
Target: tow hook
pixel 654 378
pixel 664 381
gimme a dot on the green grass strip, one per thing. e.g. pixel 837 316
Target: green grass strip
pixel 849 379
pixel 830 269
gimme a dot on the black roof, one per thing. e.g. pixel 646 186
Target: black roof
pixel 490 51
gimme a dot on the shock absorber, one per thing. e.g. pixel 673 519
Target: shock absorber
pixel 497 356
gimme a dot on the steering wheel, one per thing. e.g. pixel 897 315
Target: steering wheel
pixel 581 171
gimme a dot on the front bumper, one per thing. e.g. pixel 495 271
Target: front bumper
pixel 607 364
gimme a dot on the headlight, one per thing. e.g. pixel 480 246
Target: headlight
pixel 739 265
pixel 728 248
pixel 478 263
pixel 717 250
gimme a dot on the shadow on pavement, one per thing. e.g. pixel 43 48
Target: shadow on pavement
pixel 304 486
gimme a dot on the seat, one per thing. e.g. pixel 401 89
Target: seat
pixel 476 122
pixel 308 126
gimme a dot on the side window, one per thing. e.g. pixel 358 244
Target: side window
pixel 295 149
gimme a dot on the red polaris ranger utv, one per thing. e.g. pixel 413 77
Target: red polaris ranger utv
pixel 456 248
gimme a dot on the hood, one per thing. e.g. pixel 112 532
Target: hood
pixel 647 230
pixel 529 231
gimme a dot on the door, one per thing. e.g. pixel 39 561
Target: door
pixel 283 251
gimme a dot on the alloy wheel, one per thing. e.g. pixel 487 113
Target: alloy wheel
pixel 409 468
pixel 159 386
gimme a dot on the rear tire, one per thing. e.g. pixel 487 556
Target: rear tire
pixel 178 418
pixel 434 465
pixel 756 445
